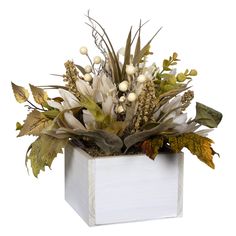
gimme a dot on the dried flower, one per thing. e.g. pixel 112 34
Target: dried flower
pixel 120 109
pixel 97 60
pixel 123 86
pixel 141 78
pixel 122 99
pixel 132 97
pixel 187 98
pixel 88 69
pixel 146 104
pixel 83 51
pixel 88 77
pixel 71 77
pixel 130 69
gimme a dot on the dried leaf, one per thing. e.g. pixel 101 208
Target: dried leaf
pixel 35 123
pixel 138 44
pixel 113 65
pixel 21 94
pixel 116 127
pixel 137 137
pixel 145 50
pixel 196 144
pixel 108 142
pixel 43 151
pixel 40 96
pixel 151 147
pixel 207 116
pixel 81 69
pixel 127 53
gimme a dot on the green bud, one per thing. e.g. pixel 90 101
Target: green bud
pixel 175 55
pixel 181 77
pixel 193 72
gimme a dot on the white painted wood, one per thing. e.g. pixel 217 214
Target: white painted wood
pixel 109 190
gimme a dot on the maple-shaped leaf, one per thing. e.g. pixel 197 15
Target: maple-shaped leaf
pixel 151 147
pixel 34 124
pixel 40 96
pixel 196 144
pixel 43 151
pixel 21 94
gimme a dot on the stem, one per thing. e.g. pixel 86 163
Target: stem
pixel 92 64
pixel 35 106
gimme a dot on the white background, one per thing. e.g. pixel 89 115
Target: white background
pixel 38 36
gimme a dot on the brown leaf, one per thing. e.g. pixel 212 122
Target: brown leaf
pixel 40 96
pixel 151 147
pixel 127 53
pixel 21 94
pixel 43 151
pixel 196 144
pixel 35 123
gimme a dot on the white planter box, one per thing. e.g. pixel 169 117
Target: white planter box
pixel 109 190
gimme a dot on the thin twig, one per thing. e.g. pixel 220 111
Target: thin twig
pixel 35 106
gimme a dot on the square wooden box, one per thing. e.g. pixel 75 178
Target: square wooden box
pixel 115 189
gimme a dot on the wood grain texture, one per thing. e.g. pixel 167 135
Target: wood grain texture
pixel 109 190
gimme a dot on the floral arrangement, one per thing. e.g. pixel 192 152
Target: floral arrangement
pixel 117 105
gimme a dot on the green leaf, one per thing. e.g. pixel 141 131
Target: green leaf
pixel 181 77
pixel 95 110
pixel 43 151
pixel 175 55
pixel 51 114
pixel 18 126
pixel 21 94
pixel 35 123
pixel 165 63
pixel 207 116
pixel 166 76
pixel 193 72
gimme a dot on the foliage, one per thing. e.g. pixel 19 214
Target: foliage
pixel 151 147
pixel 117 103
pixel 34 124
pixel 207 116
pixel 43 151
pixel 21 94
pixel 197 145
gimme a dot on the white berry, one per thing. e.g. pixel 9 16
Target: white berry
pixel 122 99
pixel 88 77
pixel 141 78
pixel 120 109
pixel 83 51
pixel 97 60
pixel 130 69
pixel 132 97
pixel 88 69
pixel 123 86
